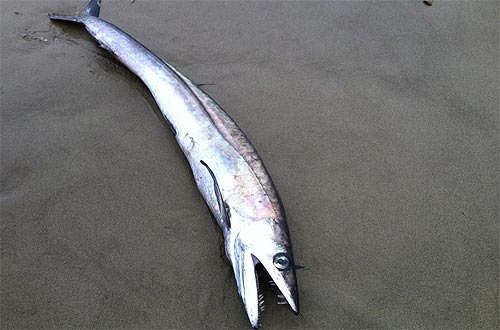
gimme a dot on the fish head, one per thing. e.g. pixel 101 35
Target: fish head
pixel 262 248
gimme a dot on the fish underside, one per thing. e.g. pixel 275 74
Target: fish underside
pixel 229 173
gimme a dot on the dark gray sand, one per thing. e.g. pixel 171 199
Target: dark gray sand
pixel 377 120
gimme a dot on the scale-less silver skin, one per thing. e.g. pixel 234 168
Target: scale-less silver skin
pixel 258 229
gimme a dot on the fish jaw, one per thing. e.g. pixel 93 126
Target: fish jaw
pixel 261 245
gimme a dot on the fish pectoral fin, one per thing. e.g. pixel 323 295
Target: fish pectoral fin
pixel 223 208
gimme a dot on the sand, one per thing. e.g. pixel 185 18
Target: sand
pixel 378 122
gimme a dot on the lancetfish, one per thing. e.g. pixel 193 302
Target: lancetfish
pixel 227 169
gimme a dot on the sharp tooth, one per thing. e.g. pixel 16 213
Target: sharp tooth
pixel 261 303
pixel 280 296
pixel 284 302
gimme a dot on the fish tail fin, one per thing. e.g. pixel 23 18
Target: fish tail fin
pixel 65 18
pixel 93 8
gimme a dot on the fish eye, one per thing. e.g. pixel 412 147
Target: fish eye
pixel 281 261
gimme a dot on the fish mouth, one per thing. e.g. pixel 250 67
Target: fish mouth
pixel 262 253
pixel 255 279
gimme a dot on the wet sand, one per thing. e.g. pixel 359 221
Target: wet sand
pixel 377 120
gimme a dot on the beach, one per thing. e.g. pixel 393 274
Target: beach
pixel 378 122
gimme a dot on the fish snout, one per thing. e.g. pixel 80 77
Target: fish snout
pixel 260 254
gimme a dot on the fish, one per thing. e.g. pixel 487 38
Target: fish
pixel 228 171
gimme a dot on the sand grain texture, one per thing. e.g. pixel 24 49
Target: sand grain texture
pixel 377 120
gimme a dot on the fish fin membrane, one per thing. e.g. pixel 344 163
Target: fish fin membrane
pixel 65 18
pixel 93 8
pixel 223 208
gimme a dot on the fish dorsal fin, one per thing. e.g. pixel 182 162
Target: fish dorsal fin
pixel 223 208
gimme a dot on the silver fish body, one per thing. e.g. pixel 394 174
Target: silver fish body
pixel 229 173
